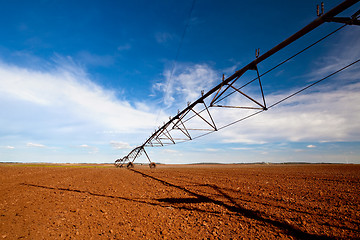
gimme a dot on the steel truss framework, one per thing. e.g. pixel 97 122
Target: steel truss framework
pixel 178 128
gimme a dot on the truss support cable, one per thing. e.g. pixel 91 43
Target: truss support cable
pixel 212 120
pixel 262 92
pixel 146 155
pixel 178 51
pixel 229 85
pixel 247 96
pixel 314 83
pixel 286 60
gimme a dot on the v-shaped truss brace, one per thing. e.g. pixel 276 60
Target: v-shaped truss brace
pixel 132 156
pixel 226 86
pixel 182 125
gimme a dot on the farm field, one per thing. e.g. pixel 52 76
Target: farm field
pixel 301 201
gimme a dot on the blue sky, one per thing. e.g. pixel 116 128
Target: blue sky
pixel 85 81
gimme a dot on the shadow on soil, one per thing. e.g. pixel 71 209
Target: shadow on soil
pixel 89 193
pixel 235 208
pixel 164 200
pixel 200 198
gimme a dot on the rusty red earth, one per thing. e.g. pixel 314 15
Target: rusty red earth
pixel 180 202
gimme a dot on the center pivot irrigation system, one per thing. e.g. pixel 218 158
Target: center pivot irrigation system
pixel 178 128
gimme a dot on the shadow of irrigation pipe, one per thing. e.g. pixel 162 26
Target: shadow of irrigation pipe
pixel 255 215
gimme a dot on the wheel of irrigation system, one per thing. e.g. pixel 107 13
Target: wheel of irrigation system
pixel 130 165
pixel 152 165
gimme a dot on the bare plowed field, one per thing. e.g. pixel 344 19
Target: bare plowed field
pixel 180 202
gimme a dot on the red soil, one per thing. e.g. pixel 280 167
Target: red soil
pixel 181 202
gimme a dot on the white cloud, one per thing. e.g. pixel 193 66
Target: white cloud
pixel 241 148
pixel 327 113
pixel 323 116
pixel 90 149
pixel 61 107
pixel 64 104
pixel 186 83
pixel 212 149
pixel 170 151
pixel 64 101
pixel 36 145
pixel 311 146
pixel 7 147
pixel 120 145
pixel 342 53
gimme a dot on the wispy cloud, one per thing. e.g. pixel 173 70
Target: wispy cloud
pixel 163 37
pixel 212 149
pixel 170 151
pixel 90 149
pixel 124 47
pixel 315 116
pixel 185 83
pixel 120 145
pixel 325 114
pixel 36 145
pixel 241 148
pixel 7 147
pixel 63 104
pixel 342 52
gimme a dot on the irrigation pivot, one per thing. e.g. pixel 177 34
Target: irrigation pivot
pixel 177 129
